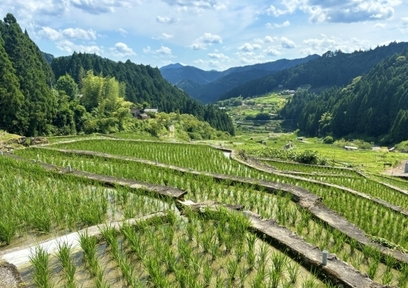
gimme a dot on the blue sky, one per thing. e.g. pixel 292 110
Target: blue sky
pixel 209 34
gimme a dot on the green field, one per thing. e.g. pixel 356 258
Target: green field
pixel 193 249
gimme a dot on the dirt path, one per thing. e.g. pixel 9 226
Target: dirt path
pixel 397 171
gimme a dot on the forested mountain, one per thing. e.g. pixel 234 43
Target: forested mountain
pixel 332 69
pixel 175 73
pixel 82 92
pixel 373 106
pixel 27 103
pixel 143 84
pixel 207 86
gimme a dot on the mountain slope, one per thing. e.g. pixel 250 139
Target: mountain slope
pixel 32 105
pixel 174 73
pixel 374 105
pixel 143 84
pixel 332 69
pixel 207 86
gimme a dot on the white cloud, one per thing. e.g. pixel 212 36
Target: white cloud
pixel 207 39
pixel 196 4
pixel 220 56
pixel 276 25
pixel 271 51
pixel 70 47
pixel 287 43
pixel 122 50
pixel 404 25
pixel 122 32
pixel 164 36
pixel 324 44
pixel 162 51
pixel 287 7
pixel 248 47
pixel 269 39
pixel 251 59
pixel 166 20
pixel 99 6
pixel 72 33
pixel 347 11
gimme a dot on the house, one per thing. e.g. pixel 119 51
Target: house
pixel 137 113
pixel 151 110
pixel 350 148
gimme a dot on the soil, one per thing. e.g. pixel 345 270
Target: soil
pixel 397 171
pixel 9 275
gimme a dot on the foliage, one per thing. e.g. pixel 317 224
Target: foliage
pixel 303 156
pixel 402 146
pixel 144 84
pixel 207 86
pixel 372 106
pixel 29 104
pixel 328 140
pixel 33 103
pixel 333 68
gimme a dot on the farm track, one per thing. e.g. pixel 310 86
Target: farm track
pixel 304 198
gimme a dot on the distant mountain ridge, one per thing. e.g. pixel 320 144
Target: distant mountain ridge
pixel 207 86
pixel 334 68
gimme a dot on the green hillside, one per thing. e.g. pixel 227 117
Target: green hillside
pixel 373 106
pixel 334 68
pixel 82 93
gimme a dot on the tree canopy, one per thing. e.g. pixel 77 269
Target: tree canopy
pixel 82 92
pixel 373 106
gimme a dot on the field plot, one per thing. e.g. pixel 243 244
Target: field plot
pixel 213 252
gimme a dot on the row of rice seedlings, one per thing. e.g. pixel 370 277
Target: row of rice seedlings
pixel 39 202
pixel 40 262
pixel 181 155
pixel 207 254
pixel 67 263
pixel 44 202
pixel 394 181
pixel 125 264
pixel 164 177
pixel 89 246
pixel 368 186
pixel 305 168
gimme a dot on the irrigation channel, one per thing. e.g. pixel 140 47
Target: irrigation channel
pixel 337 271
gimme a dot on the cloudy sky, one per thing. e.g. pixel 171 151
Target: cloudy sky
pixel 209 34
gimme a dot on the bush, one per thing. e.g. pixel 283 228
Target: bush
pixel 402 146
pixel 328 140
pixel 307 157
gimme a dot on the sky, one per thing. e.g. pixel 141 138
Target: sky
pixel 208 34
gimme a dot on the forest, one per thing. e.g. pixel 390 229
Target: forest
pixel 82 93
pixel 334 68
pixel 372 106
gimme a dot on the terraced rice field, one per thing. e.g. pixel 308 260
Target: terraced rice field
pixel 125 213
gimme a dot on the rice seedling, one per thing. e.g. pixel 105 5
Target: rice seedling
pixel 39 259
pixel 68 266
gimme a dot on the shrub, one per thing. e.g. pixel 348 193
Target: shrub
pixel 328 140
pixel 402 146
